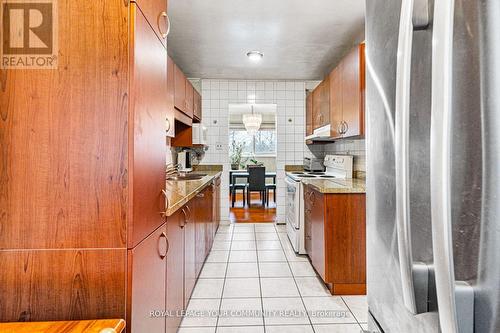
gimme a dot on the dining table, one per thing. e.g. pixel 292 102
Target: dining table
pixel 234 174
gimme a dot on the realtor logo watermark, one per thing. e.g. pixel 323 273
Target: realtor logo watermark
pixel 29 34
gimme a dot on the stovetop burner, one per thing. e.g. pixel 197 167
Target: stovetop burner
pixel 327 176
pixel 306 176
pixel 297 173
pixel 316 173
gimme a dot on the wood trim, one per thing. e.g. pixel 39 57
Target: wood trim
pixel 183 118
pixel 83 326
pixel 348 289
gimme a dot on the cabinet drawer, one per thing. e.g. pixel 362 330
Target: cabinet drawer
pixel 155 12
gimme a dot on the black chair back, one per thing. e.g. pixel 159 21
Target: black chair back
pixel 256 178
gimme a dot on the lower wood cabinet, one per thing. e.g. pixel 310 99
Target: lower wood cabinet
pixel 200 221
pixel 147 274
pixel 335 231
pixel 189 250
pixel 175 269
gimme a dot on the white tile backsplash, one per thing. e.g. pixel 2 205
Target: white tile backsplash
pixel 290 99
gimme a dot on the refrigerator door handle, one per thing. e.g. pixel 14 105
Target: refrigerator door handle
pixel 455 298
pixel 414 276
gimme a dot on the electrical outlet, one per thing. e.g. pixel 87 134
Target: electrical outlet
pixel 218 146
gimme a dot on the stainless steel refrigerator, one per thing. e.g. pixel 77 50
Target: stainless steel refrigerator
pixel 433 165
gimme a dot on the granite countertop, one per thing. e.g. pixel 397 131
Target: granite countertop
pixel 332 186
pixel 178 193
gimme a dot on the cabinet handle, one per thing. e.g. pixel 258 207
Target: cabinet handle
pixel 185 219
pixel 189 212
pixel 169 125
pixel 167 245
pixel 345 127
pixel 339 128
pixel 167 203
pixel 201 195
pixel 167 19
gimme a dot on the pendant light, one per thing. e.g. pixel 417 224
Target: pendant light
pixel 252 122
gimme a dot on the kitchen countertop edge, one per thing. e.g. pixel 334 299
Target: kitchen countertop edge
pixel 337 186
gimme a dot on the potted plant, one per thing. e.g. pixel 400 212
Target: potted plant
pixel 236 153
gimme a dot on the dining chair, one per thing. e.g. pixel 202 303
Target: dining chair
pixel 256 182
pixel 268 188
pixel 238 186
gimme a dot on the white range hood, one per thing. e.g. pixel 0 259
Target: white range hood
pixel 321 134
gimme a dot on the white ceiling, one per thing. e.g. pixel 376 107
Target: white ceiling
pixel 301 40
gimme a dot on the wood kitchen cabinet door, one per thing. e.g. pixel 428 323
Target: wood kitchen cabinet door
pixel 321 104
pixel 175 267
pixel 189 251
pixel 200 216
pixel 147 277
pixel 148 112
pixel 64 284
pixel 155 12
pixel 309 114
pixel 170 119
pixel 179 89
pixel 209 226
pixel 197 106
pixel 317 217
pixel 189 109
pixel 336 108
pixel 308 222
pixel 353 80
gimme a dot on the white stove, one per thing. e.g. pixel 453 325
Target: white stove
pixel 337 167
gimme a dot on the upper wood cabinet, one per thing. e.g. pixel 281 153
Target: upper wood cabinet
pixel 321 104
pixel 189 109
pixel 146 281
pixel 149 107
pixel 180 89
pixel 353 92
pixel 155 12
pixel 336 113
pixel 309 114
pixel 197 106
pixel 170 118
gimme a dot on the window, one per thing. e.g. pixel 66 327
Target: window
pixel 262 144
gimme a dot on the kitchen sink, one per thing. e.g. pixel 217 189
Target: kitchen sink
pixel 189 176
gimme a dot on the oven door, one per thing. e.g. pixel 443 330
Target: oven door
pixel 292 203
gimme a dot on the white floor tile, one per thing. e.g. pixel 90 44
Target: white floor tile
pixel 337 328
pixel 328 310
pixel 265 228
pixel 196 330
pixel 241 288
pixel 208 288
pixel 279 287
pixel 241 329
pixel 268 245
pixel 224 237
pixel 213 270
pixel 302 269
pixel 248 236
pixel 271 256
pixel 273 307
pixel 293 257
pixel 243 256
pixel 218 256
pixel 243 246
pixel 358 306
pixel 274 269
pixel 312 286
pixel 289 329
pixel 221 245
pixel 267 236
pixel 201 305
pixel 225 229
pixel 235 316
pixel 242 270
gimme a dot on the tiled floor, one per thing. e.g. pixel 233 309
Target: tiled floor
pixel 252 267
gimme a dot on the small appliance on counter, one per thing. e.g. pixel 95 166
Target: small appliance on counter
pixel 184 161
pixel 313 164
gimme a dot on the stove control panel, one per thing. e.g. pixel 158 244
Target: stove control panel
pixel 339 164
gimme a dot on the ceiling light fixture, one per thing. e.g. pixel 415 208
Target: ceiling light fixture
pixel 255 56
pixel 252 122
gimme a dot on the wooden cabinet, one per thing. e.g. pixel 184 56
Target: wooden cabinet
pixel 200 215
pixel 309 114
pixel 197 106
pixel 189 250
pixel 146 279
pixel 170 117
pixel 353 92
pixel 321 104
pixel 175 268
pixel 336 108
pixel 189 109
pixel 216 215
pixel 149 111
pixel 335 231
pixel 179 89
pixel 155 11
pixel 208 204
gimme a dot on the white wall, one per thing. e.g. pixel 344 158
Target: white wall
pixel 290 99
